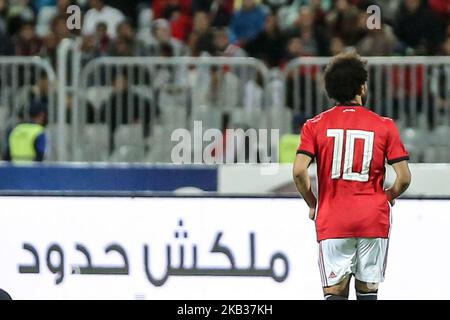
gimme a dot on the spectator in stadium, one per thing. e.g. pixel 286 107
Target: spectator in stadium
pixel 96 45
pixel 130 10
pixel 418 28
pixel 289 14
pixel 294 49
pixel 164 45
pixel 101 13
pixel 27 142
pixel 122 48
pixel 202 5
pixel 275 5
pixel 216 87
pixel 336 46
pixel 40 4
pixel 247 23
pixel 102 39
pixel 4 17
pixel 124 107
pixel 441 8
pixel 376 42
pixel 38 93
pixel 26 42
pixel 223 47
pixel 180 23
pixel 159 7
pixel 389 8
pixel 268 45
pixel 19 11
pixel 219 11
pixel 314 39
pixel 6 47
pixel 47 15
pixel 88 48
pixel 125 44
pixel 253 99
pixel 341 21
pixel 298 80
pixel 59 28
pixel 439 86
pixel 202 34
pixel 50 41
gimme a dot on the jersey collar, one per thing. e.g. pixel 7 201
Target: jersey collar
pixel 348 105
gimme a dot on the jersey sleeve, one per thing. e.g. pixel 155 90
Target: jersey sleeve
pixel 307 144
pixel 396 151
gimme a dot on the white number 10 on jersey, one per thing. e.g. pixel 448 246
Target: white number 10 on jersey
pixel 351 136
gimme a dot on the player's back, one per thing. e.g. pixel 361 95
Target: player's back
pixel 351 144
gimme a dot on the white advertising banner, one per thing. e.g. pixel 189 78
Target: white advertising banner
pixel 277 179
pixel 198 248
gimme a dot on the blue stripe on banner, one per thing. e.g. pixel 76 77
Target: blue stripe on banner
pixel 157 178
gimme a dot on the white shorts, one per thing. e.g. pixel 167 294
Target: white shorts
pixel 363 257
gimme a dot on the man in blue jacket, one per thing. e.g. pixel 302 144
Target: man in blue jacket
pixel 247 23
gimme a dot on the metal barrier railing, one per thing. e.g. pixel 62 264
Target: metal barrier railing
pixel 399 87
pixel 124 109
pixel 24 81
pixel 415 91
pixel 128 107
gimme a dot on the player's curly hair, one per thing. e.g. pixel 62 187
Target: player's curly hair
pixel 344 76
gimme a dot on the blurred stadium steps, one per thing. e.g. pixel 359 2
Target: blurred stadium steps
pixel 95 142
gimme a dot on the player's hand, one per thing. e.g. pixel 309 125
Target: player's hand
pixel 390 197
pixel 312 213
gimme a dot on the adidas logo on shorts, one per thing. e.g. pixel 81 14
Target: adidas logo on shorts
pixel 332 275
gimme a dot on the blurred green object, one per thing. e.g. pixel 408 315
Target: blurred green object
pixel 288 147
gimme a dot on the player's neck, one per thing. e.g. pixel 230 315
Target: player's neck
pixel 355 102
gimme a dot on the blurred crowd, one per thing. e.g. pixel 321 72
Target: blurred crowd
pixel 274 31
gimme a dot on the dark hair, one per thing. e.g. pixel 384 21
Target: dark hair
pixel 4 295
pixel 344 76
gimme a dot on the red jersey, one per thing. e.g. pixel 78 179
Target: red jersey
pixel 351 144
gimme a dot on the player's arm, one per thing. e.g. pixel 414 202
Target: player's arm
pixel 397 156
pixel 303 182
pixel 401 183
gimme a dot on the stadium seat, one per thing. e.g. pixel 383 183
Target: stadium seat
pixel 53 133
pixel 251 118
pixel 429 155
pixel 44 19
pixel 435 154
pixel 211 117
pixel 280 118
pixel 174 117
pixel 415 141
pixel 128 153
pixel 97 95
pixel 95 142
pixel 160 145
pixel 4 117
pixel 142 91
pixel 129 135
pixel 441 136
pixel 4 122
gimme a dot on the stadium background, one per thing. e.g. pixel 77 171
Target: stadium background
pixel 116 89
